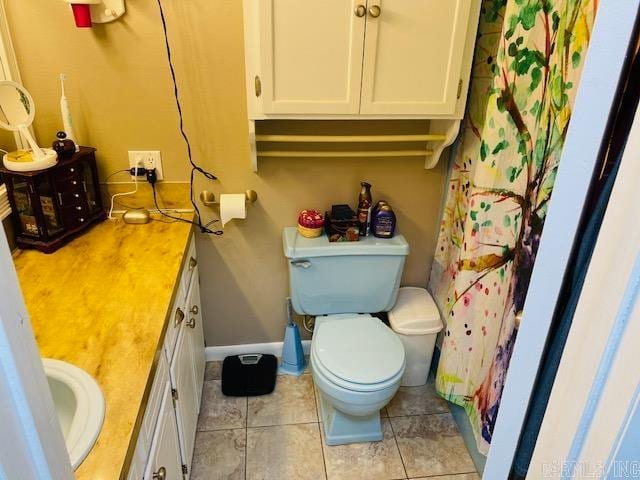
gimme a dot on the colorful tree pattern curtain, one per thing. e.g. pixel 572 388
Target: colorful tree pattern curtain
pixel 526 68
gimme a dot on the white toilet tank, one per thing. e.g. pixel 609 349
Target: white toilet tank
pixel 343 277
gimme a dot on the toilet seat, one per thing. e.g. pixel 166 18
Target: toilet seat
pixel 357 352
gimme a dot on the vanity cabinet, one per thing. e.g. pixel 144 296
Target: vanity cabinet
pixel 167 435
pixel 164 459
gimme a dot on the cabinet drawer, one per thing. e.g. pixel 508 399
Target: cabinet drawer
pixel 65 173
pixel 70 184
pixel 72 197
pixel 153 406
pixel 75 220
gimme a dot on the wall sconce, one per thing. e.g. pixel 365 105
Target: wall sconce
pixel 87 12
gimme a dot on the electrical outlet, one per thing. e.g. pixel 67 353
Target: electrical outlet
pixel 148 159
pixel 136 159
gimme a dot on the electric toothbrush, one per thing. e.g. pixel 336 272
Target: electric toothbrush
pixel 67 122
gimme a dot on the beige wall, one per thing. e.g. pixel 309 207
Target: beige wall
pixel 121 96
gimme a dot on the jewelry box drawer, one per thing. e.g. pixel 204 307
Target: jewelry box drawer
pixel 64 173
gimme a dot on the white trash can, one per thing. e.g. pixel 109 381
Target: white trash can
pixel 416 320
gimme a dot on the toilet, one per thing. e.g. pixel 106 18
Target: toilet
pixel 357 362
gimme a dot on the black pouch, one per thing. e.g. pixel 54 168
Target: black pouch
pixel 249 375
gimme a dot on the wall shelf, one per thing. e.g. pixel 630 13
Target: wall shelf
pixel 430 144
pixel 346 154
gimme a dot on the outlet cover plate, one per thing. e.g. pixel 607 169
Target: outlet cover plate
pixel 148 159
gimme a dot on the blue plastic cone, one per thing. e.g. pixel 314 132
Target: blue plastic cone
pixel 293 362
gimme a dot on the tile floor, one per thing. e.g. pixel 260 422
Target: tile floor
pixel 278 437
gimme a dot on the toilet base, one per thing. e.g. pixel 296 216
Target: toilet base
pixel 340 428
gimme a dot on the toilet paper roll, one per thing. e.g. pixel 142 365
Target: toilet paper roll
pixel 232 205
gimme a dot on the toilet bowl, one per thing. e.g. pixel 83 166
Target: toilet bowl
pixel 357 362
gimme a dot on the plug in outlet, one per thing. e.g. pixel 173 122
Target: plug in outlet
pixel 136 159
pixel 148 159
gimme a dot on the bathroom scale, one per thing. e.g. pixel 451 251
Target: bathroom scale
pixel 249 375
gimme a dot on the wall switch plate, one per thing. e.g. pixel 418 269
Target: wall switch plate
pixel 147 159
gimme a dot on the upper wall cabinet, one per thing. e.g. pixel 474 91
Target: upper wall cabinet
pixel 413 55
pixel 350 59
pixel 310 56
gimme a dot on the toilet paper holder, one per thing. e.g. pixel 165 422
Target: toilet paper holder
pixel 209 198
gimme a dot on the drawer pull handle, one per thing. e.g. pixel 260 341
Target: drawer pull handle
pixel 192 263
pixel 179 317
pixel 78 207
pixel 375 11
pixel 73 182
pixel 81 220
pixel 191 323
pixel 76 195
pixel 301 263
pixel 161 474
pixel 195 309
pixel 72 169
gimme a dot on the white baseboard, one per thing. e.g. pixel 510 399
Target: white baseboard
pixel 218 353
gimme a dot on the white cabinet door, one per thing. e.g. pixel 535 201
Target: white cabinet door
pixel 165 453
pixel 311 56
pixel 182 380
pixel 413 56
pixel 196 336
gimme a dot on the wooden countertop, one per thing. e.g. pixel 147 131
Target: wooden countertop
pixel 102 302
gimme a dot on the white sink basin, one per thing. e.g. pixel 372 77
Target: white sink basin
pixel 80 406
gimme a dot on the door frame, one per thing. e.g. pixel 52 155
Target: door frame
pixel 600 382
pixel 31 443
pixel 588 132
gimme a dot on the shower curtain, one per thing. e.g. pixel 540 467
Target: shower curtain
pixel 526 69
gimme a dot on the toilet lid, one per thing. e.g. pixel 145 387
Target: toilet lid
pixel 359 349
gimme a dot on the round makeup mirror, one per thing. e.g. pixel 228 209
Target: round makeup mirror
pixel 16 107
pixel 17 111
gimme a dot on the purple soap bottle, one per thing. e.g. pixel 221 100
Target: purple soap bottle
pixel 384 222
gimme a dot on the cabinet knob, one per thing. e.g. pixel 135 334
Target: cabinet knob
pixel 81 220
pixel 375 11
pixel 179 317
pixel 195 309
pixel 192 263
pixel 360 11
pixel 161 474
pixel 191 323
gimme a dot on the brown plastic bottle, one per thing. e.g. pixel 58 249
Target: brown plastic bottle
pixel 364 209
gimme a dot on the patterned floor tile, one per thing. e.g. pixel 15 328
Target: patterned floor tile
pixel 365 461
pixel 291 402
pixel 219 412
pixel 285 452
pixel 219 455
pixel 431 445
pixel 417 401
pixel 213 371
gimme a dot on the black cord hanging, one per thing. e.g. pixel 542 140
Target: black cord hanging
pixel 194 166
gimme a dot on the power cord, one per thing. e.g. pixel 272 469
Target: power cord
pixel 133 171
pixel 194 166
pixel 151 178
